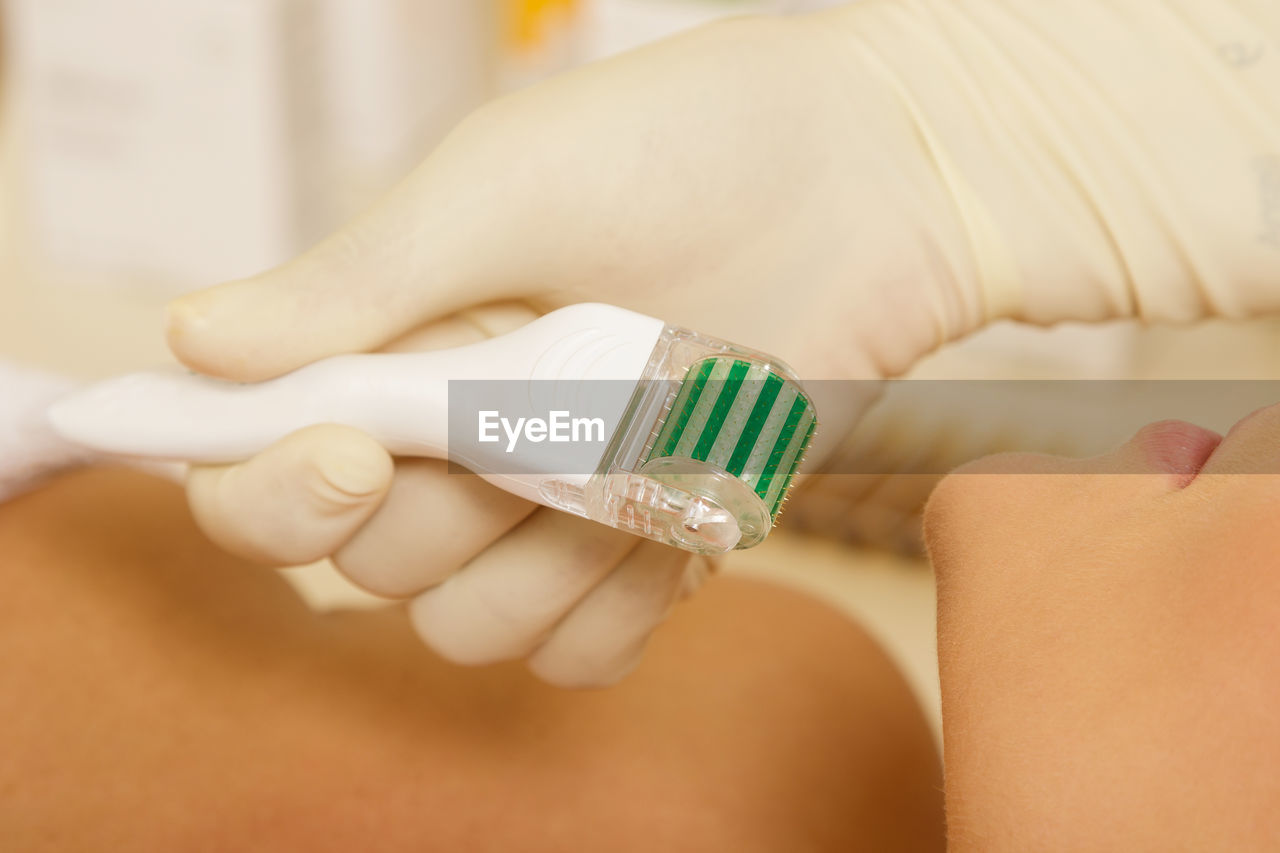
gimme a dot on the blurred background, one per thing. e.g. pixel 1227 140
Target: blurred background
pixel 168 145
pixel 149 147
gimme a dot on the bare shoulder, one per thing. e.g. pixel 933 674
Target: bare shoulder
pixel 155 675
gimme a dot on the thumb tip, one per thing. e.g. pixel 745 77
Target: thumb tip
pixel 356 468
pixel 210 332
pixel 184 319
pixel 190 329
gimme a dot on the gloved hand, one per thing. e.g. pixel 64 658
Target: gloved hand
pixel 846 190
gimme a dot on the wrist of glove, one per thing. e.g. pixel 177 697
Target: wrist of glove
pixel 1107 159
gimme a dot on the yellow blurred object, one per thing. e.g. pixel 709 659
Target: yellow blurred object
pixel 532 23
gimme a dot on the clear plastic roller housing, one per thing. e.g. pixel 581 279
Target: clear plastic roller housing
pixel 707 448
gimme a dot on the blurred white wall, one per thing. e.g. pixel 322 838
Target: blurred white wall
pixel 175 144
pixel 167 145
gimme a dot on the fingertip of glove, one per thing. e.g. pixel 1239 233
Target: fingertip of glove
pixel 585 673
pixel 185 320
pixel 193 327
pixel 231 331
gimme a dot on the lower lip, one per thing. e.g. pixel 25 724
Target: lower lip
pixel 1180 448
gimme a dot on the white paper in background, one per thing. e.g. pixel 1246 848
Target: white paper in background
pixel 177 143
pixel 155 138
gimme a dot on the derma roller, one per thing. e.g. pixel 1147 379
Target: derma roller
pixel 700 453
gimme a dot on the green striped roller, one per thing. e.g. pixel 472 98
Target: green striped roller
pixel 743 417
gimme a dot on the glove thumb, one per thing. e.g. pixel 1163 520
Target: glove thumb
pixel 295 502
pixel 423 252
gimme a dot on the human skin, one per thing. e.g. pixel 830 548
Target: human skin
pixel 1107 638
pixel 159 694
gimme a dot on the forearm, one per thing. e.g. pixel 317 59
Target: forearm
pixel 1107 159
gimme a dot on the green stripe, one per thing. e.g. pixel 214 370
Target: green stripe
pixel 786 484
pixel 755 422
pixel 681 409
pixel 736 419
pixel 757 433
pixel 728 392
pixel 780 446
pixel 702 412
pixel 787 464
pixel 769 433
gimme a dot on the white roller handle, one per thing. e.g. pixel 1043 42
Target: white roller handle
pixel 178 415
pixel 401 400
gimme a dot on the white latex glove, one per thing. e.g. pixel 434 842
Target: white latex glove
pixel 846 190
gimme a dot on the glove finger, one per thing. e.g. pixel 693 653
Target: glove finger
pixel 603 638
pixel 434 520
pixel 295 502
pixel 503 603
pixel 430 524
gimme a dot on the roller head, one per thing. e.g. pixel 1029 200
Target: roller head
pixel 740 417
pixel 704 463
